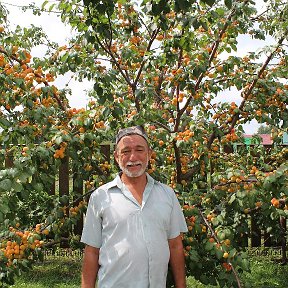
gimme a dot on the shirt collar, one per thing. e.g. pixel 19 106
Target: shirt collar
pixel 117 181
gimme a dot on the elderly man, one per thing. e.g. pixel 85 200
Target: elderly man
pixel 133 224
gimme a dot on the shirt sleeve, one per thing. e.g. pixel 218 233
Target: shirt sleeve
pixel 92 230
pixel 177 222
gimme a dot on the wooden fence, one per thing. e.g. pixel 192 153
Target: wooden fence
pixel 64 182
pixel 256 238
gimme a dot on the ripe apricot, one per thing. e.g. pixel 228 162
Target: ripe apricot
pixel 219 68
pixel 45 231
pixel 190 239
pixel 209 217
pixel 227 242
pixel 160 37
pixel 25 149
pixel 258 204
pixel 225 255
pixel 275 203
pixel 227 266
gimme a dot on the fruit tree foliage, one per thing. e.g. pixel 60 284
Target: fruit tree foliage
pixel 166 65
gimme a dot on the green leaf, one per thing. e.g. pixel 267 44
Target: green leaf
pixel 244 264
pixel 86 2
pixel 106 112
pixel 5 123
pixel 209 2
pixel 51 7
pixel 98 89
pixel 221 235
pixel 204 279
pixel 24 194
pixel 117 112
pixel 58 140
pixel 196 24
pixel 38 187
pixel 209 246
pixel 23 176
pixel 4 208
pixel 6 185
pixel 232 199
pixel 101 100
pixel 194 256
pixel 64 200
pixel 43 152
pixel 17 186
pixel 183 5
pixel 228 3
pixel 219 253
pixel 197 71
pixel 44 4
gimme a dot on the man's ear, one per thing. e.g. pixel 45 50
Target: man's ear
pixel 116 156
pixel 150 151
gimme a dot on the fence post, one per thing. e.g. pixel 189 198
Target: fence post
pixel 64 187
pixel 267 240
pixel 105 150
pixel 8 160
pixel 255 232
pixel 243 240
pixel 52 190
pixel 283 227
pixel 64 177
pixel 77 190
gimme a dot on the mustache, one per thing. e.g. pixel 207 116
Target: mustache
pixel 131 163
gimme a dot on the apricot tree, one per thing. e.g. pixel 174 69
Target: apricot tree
pixel 166 65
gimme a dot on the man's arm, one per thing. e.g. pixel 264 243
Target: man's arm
pixel 90 267
pixel 177 261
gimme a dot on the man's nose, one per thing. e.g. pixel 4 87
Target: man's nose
pixel 133 155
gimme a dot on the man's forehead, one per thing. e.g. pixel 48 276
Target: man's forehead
pixel 132 141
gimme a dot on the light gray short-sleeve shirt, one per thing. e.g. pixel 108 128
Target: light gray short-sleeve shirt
pixel 133 238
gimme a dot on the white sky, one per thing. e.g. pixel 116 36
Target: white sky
pixel 58 32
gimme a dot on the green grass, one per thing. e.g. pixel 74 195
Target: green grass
pixel 54 273
pixel 64 272
pixel 266 273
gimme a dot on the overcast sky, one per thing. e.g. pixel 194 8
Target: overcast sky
pixel 59 33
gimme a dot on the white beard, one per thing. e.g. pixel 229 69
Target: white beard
pixel 126 171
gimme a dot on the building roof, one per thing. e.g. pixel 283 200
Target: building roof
pixel 266 139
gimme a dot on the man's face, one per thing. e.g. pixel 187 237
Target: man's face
pixel 132 155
